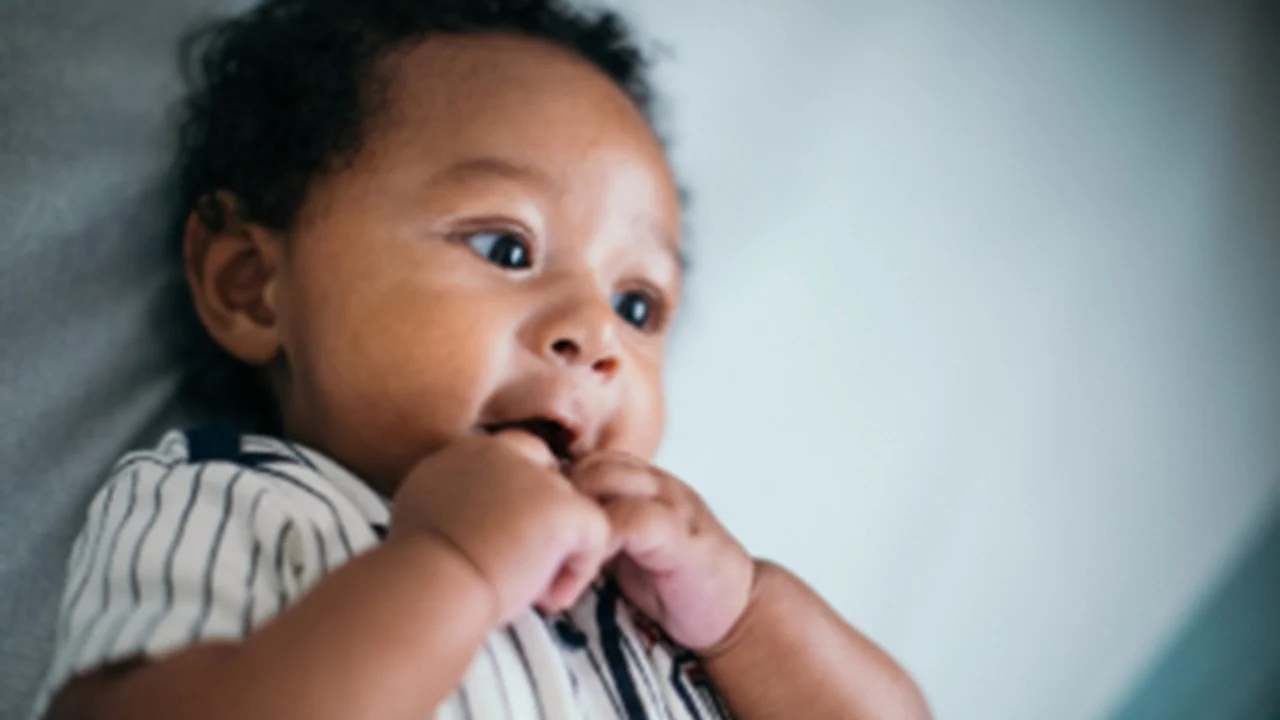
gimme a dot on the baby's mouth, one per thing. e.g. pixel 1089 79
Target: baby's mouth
pixel 557 436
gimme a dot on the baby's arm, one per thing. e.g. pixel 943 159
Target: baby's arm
pixel 790 655
pixel 773 648
pixel 480 530
pixel 388 635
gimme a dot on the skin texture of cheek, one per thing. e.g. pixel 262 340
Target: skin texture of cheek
pixel 389 368
pixel 639 429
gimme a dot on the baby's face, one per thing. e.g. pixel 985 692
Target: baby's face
pixel 504 249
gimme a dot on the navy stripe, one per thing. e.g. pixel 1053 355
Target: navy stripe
pixel 710 697
pixel 573 681
pixel 320 547
pixel 246 613
pixel 115 542
pixel 300 455
pixel 281 571
pixel 609 690
pixel 696 677
pixel 678 681
pixel 135 586
pixel 90 563
pixel 464 702
pixel 89 626
pixel 528 669
pixel 611 643
pixel 135 593
pixel 135 560
pixel 171 556
pixel 574 638
pixel 211 564
pixel 634 653
pixel 128 463
pixel 251 576
pixel 333 511
pixel 497 673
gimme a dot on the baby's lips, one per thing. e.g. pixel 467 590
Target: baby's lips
pixel 560 398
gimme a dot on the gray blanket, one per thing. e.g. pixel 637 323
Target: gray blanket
pixel 88 280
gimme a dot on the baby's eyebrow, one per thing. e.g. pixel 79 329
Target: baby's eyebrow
pixel 668 244
pixel 649 232
pixel 482 166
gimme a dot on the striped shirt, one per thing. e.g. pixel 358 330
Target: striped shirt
pixel 212 533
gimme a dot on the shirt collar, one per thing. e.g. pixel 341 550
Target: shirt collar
pixel 375 508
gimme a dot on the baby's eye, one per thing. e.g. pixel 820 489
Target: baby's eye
pixel 637 308
pixel 504 249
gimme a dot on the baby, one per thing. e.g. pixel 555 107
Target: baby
pixel 438 244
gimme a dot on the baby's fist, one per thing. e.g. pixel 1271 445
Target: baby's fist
pixel 675 561
pixel 502 504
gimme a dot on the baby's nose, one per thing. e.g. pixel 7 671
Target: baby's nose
pixel 582 333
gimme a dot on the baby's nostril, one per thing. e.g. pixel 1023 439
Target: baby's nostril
pixel 565 348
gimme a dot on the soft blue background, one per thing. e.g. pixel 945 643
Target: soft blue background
pixel 984 337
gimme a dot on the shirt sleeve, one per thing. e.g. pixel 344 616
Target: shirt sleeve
pixel 173 553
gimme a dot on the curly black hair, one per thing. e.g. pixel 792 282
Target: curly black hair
pixel 282 95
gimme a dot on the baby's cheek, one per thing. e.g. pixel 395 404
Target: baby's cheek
pixel 419 378
pixel 641 419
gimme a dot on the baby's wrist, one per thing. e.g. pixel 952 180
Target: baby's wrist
pixel 436 549
pixel 766 581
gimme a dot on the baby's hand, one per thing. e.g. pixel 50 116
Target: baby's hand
pixel 501 502
pixel 675 561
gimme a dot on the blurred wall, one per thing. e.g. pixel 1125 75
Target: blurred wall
pixel 984 321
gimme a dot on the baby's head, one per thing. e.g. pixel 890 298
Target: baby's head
pixel 416 220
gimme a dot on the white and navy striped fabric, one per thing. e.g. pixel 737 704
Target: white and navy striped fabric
pixel 212 533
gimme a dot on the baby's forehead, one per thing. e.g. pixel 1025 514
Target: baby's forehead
pixel 501 110
pixel 483 82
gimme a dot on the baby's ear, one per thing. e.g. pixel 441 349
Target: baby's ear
pixel 232 267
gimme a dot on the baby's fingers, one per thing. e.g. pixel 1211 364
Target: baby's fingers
pixel 528 446
pixel 606 477
pixel 592 547
pixel 651 533
pixel 570 582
